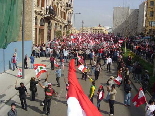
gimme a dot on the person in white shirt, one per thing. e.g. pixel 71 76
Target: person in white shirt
pixel 109 62
pixel 65 52
pixel 150 108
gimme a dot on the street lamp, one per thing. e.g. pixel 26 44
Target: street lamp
pixel 74 17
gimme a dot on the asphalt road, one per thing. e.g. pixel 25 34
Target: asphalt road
pixel 58 105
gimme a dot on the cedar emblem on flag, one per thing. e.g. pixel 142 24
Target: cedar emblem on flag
pixel 118 80
pixel 39 69
pixel 139 99
pixel 19 73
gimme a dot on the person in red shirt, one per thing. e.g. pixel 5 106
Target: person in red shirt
pixel 100 96
pixel 52 62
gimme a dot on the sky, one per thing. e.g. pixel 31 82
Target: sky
pixel 95 12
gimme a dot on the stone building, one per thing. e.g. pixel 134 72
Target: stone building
pixel 52 16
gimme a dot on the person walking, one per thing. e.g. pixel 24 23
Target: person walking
pixel 92 89
pixel 14 61
pixel 13 111
pixel 97 71
pixel 49 92
pixel 100 96
pixel 32 61
pixel 52 62
pixel 22 94
pixel 112 93
pixel 33 87
pixel 127 89
pixel 58 75
pixel 110 82
pixel 25 61
pixel 109 62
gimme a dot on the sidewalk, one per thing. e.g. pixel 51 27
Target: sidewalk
pixel 137 86
pixel 8 79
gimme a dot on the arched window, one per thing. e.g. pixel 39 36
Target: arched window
pixel 42 22
pixel 49 25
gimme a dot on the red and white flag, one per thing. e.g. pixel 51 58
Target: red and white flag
pixel 19 73
pixel 80 59
pixel 56 64
pixel 81 68
pixel 39 69
pixel 78 103
pixel 118 80
pixel 139 99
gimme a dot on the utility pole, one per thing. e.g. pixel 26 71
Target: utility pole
pixel 82 28
pixel 23 29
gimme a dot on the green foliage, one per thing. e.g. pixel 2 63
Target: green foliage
pixel 58 34
pixel 145 64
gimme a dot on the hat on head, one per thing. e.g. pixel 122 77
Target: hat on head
pixel 111 77
pixel 13 104
pixel 101 86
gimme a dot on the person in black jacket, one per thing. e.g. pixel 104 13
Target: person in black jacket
pixel 33 87
pixel 22 94
pixel 127 89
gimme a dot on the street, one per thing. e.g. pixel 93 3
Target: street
pixel 58 105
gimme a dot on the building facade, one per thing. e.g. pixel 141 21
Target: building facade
pixel 52 17
pixel 142 17
pixel 120 15
pixel 150 17
pixel 125 21
pixel 94 30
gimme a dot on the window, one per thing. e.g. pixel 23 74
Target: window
pixel 42 22
pixel 38 2
pixel 151 13
pixel 42 3
pixel 151 3
pixel 152 23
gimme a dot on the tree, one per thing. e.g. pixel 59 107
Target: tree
pixel 58 34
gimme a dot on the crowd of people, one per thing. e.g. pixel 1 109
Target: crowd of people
pixel 95 52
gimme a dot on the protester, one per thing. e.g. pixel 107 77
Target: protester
pixel 127 89
pixel 110 82
pixel 52 62
pixel 33 87
pixel 112 93
pixel 92 89
pixel 58 75
pixel 22 94
pixel 14 61
pixel 100 96
pixel 97 71
pixel 49 92
pixel 109 62
pixel 32 61
pixel 13 111
pixel 25 61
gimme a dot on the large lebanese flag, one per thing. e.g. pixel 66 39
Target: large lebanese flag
pixel 118 80
pixel 139 99
pixel 78 103
pixel 39 69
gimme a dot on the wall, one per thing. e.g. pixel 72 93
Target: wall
pixel 141 18
pixel 10 50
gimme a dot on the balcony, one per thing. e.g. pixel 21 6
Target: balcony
pixel 68 6
pixel 50 13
